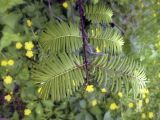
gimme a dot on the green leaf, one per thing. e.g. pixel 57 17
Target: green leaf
pixel 59 76
pixel 84 115
pixel 80 116
pixel 24 74
pixel 119 74
pixel 10 19
pixel 61 37
pixel 47 103
pixel 98 13
pixel 8 38
pixel 39 109
pixel 7 4
pixel 107 116
pixel 108 41
pixel 15 116
pixel 96 111
pixel 83 104
pixel 88 116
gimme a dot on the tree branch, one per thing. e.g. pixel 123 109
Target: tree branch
pixel 85 40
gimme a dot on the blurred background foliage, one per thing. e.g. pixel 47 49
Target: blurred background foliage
pixel 22 21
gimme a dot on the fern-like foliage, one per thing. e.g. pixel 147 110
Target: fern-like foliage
pixel 59 76
pixel 119 74
pixel 98 14
pixel 61 37
pixel 63 72
pixel 108 40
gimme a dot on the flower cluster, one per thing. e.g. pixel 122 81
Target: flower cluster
pixel 149 114
pixel 113 106
pixel 27 112
pixel 27 46
pixel 8 79
pixel 90 88
pixel 9 62
pixel 8 98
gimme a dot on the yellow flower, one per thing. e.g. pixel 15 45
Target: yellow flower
pixel 154 14
pixel 94 102
pixel 143 96
pixel 65 5
pixel 19 45
pixel 97 50
pixel 143 115
pixel 8 98
pixel 140 102
pixel 27 112
pixel 39 90
pixel 10 62
pixel 103 90
pixel 3 63
pixel 113 106
pixel 89 88
pixel 120 94
pixel 130 105
pixel 8 79
pixel 29 54
pixel 29 23
pixel 150 115
pixel 147 100
pixel 28 45
pixel 145 91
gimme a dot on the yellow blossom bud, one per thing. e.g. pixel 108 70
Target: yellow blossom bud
pixel 144 91
pixel 98 50
pixel 94 102
pixel 28 45
pixel 150 115
pixel 8 79
pixel 89 88
pixel 29 23
pixel 27 112
pixel 8 98
pixel 19 45
pixel 39 90
pixel 130 105
pixel 143 96
pixel 143 116
pixel 3 63
pixel 147 100
pixel 65 5
pixel 29 53
pixel 120 94
pixel 140 103
pixel 103 90
pixel 10 62
pixel 113 106
pixel 154 14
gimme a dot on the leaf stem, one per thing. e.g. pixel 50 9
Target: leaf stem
pixel 85 41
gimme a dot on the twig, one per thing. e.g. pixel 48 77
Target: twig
pixel 85 40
